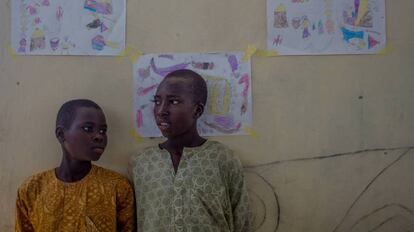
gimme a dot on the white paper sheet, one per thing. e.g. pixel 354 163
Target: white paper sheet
pixel 310 27
pixel 62 27
pixel 229 106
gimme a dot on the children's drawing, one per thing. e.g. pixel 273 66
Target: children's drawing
pixel 280 17
pixel 229 107
pixel 326 26
pixel 45 27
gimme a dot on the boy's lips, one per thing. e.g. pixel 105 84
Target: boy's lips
pixel 99 150
pixel 163 125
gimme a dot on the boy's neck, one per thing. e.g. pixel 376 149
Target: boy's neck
pixel 176 145
pixel 72 170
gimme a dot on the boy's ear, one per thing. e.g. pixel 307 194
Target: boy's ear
pixel 60 133
pixel 199 110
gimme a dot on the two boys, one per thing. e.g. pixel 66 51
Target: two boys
pixel 187 183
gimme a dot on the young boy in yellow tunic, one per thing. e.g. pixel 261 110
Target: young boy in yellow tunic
pixel 77 195
pixel 187 183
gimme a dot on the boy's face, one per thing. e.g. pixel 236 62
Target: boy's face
pixel 174 108
pixel 85 139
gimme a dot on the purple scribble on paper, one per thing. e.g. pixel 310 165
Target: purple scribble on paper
pixel 32 10
pixel 45 3
pixel 225 122
pixel 233 62
pixel 164 71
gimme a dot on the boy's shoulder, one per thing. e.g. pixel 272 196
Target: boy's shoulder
pixel 36 182
pixel 222 151
pixel 145 153
pixel 109 175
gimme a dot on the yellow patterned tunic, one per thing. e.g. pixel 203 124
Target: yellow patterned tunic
pixel 102 201
pixel 208 192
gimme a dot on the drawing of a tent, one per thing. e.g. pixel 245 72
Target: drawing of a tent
pixel 99 6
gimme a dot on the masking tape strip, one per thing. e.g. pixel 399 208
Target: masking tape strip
pixel 248 53
pixel 123 54
pixel 11 52
pixel 135 56
pixel 131 52
pixel 266 53
pixel 135 136
pixel 386 50
pixel 251 132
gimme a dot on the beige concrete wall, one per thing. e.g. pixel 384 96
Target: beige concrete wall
pixel 306 110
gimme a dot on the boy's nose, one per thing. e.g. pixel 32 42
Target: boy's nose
pixel 98 137
pixel 162 109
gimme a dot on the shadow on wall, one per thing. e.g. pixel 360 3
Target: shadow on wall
pixel 369 190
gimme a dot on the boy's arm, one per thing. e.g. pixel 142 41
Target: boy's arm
pixel 22 215
pixel 125 207
pixel 239 198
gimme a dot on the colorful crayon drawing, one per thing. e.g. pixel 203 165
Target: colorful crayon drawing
pixel 326 26
pixel 99 6
pixel 229 107
pixel 38 40
pixel 39 27
pixel 280 17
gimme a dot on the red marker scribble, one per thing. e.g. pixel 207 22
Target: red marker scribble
pixel 139 119
pixel 144 91
pixel 59 13
pixel 245 80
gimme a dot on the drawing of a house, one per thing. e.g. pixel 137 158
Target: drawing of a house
pixel 99 6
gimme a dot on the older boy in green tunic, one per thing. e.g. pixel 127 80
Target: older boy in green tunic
pixel 187 183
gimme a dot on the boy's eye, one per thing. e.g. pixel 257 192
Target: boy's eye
pixel 174 102
pixel 87 128
pixel 156 102
pixel 102 131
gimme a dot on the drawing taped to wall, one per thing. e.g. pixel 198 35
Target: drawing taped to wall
pixel 59 27
pixel 326 26
pixel 229 107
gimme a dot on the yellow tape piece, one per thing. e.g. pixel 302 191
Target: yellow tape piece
pixel 11 52
pixel 251 132
pixel 135 136
pixel 266 53
pixel 250 50
pixel 123 54
pixel 112 44
pixel 387 49
pixel 135 56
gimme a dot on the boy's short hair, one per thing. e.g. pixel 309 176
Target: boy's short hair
pixel 199 85
pixel 67 111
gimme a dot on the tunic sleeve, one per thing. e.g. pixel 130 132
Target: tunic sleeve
pixel 239 197
pixel 125 205
pixel 23 223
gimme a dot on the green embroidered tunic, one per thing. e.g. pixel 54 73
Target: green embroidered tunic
pixel 208 192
